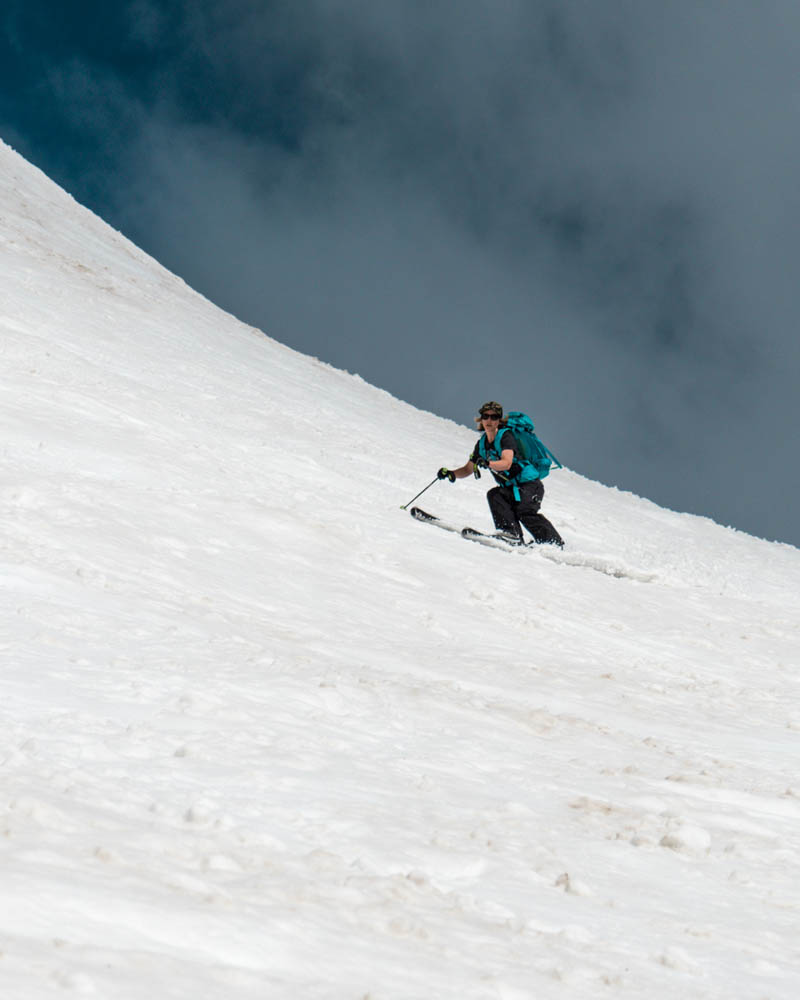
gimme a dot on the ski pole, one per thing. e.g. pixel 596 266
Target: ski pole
pixel 407 505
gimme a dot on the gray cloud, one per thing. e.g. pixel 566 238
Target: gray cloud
pixel 587 210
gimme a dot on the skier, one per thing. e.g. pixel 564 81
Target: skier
pixel 518 497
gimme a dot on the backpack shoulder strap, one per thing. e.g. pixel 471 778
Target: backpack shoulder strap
pixel 496 446
pixel 484 447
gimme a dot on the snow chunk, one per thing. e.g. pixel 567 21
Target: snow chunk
pixel 688 838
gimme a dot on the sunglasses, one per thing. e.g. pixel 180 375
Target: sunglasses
pixel 490 416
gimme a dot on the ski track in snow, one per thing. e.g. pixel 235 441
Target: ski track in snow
pixel 266 736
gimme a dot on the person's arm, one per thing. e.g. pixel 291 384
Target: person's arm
pixel 453 474
pixel 504 463
pixel 501 464
pixel 507 454
pixel 466 470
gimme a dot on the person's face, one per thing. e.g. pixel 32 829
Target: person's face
pixel 490 420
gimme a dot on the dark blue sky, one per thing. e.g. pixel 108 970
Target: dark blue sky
pixel 587 211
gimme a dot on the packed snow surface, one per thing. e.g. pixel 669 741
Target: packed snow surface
pixel 266 736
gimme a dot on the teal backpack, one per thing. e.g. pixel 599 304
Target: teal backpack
pixel 533 455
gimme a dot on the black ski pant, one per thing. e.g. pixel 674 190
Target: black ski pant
pixel 509 513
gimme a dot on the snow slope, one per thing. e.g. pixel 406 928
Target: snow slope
pixel 265 736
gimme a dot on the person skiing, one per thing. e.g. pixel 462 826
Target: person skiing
pixel 516 500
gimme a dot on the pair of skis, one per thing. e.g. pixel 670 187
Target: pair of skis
pixel 497 541
pixel 507 542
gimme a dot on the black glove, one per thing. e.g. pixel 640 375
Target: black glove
pixel 446 474
pixel 479 463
